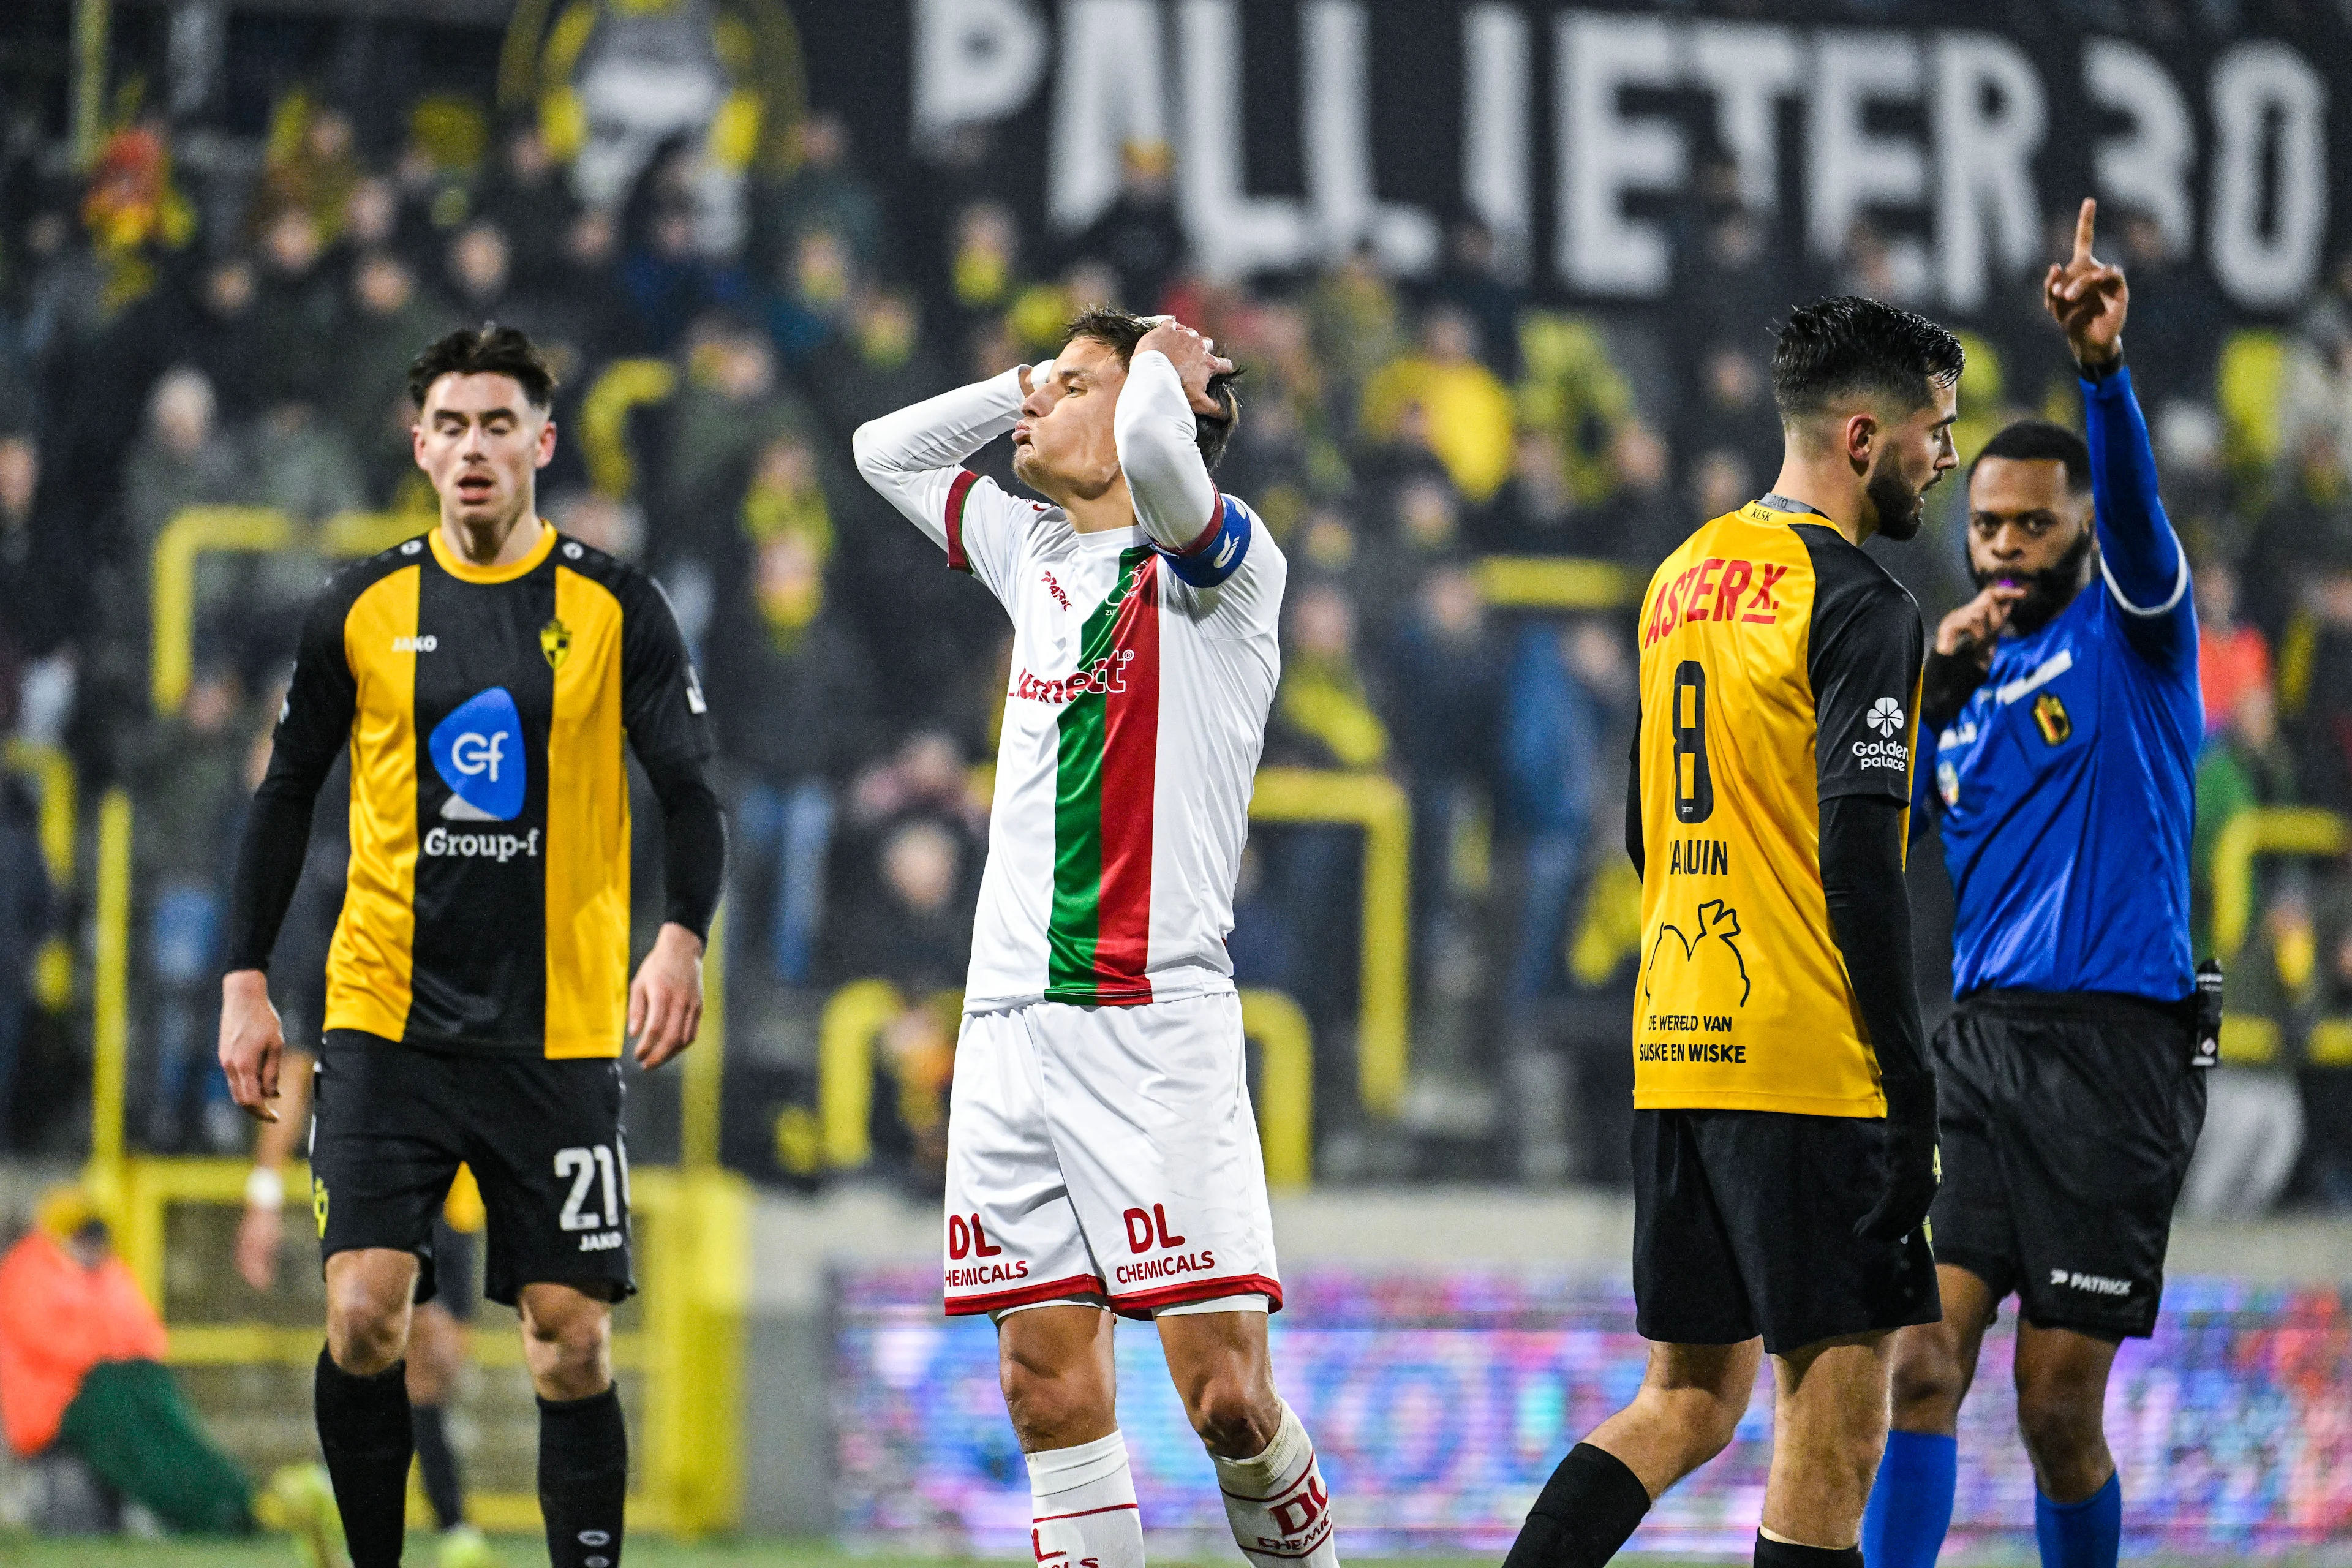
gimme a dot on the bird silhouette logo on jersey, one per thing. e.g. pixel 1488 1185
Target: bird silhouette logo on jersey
pixel 478 752
pixel 1703 968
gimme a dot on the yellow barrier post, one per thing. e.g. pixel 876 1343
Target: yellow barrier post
pixel 199 531
pixel 1375 804
pixel 52 772
pixel 701 1098
pixel 845 1067
pixel 625 385
pixel 1285 1045
pixel 111 1010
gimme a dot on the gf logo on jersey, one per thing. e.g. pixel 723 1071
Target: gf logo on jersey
pixel 478 752
pixel 1886 716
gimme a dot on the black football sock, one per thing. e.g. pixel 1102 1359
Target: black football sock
pixel 438 1462
pixel 1770 1553
pixel 1587 1508
pixel 583 1479
pixel 364 1431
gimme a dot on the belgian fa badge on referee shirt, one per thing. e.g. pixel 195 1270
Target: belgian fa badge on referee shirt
pixel 2050 715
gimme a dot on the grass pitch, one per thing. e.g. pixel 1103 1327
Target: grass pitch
pixel 520 1552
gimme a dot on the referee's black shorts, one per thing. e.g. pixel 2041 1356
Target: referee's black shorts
pixel 1743 1224
pixel 2068 1121
pixel 544 1138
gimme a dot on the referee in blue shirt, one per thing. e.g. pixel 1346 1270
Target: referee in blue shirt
pixel 2066 701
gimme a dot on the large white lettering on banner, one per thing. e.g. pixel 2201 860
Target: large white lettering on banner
pixel 1941 138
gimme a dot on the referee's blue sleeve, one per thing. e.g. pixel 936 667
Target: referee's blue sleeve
pixel 2141 557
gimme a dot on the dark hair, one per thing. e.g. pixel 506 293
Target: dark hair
pixel 487 349
pixel 1120 332
pixel 2040 441
pixel 1835 348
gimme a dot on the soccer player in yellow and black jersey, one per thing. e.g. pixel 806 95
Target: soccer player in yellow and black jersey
pixel 1784 1153
pixel 485 678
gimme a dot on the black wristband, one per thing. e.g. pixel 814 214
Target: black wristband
pixel 1947 682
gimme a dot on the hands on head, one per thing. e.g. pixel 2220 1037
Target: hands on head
pixel 1195 359
pixel 2088 298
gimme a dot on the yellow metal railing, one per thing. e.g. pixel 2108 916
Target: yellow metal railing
pixel 1555 583
pixel 856 1015
pixel 1376 803
pixel 52 773
pixel 622 387
pixel 685 1355
pixel 2247 1039
pixel 693 1251
pixel 2271 830
pixel 702 1095
pixel 110 1000
pixel 1285 1045
pixel 239 530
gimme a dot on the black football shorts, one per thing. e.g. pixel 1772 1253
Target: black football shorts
pixel 2068 1121
pixel 1743 1224
pixel 394 1122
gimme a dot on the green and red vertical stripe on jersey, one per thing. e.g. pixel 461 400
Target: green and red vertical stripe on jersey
pixel 958 488
pixel 1100 936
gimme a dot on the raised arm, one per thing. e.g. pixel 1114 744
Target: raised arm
pixel 916 456
pixel 1171 393
pixel 2139 556
pixel 1158 451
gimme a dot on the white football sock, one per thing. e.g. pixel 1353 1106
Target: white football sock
pixel 1082 1507
pixel 1276 1504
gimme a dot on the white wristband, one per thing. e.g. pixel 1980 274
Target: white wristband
pixel 265 1188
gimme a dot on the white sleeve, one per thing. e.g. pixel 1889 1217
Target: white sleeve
pixel 915 458
pixel 1157 437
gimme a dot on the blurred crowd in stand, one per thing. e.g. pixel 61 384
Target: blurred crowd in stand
pixel 159 353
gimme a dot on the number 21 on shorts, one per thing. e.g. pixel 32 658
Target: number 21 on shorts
pixel 585 1168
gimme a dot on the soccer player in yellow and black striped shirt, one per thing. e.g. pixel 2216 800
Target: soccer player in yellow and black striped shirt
pixel 485 678
pixel 1784 1152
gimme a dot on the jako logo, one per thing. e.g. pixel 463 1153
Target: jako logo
pixel 1886 716
pixel 478 752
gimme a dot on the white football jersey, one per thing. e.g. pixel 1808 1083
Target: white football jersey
pixel 1142 679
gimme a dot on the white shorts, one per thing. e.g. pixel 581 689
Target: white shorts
pixel 1105 1154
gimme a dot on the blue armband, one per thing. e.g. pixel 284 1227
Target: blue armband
pixel 1218 553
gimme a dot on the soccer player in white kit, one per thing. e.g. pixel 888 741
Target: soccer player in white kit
pixel 1102 1155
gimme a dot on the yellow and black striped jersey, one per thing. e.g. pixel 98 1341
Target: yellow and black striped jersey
pixel 485 709
pixel 1779 668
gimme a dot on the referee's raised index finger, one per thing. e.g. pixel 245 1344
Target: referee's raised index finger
pixel 2083 224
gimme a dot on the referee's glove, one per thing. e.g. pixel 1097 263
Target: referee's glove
pixel 1909 1161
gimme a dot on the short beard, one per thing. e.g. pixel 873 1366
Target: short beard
pixel 1901 510
pixel 2047 591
